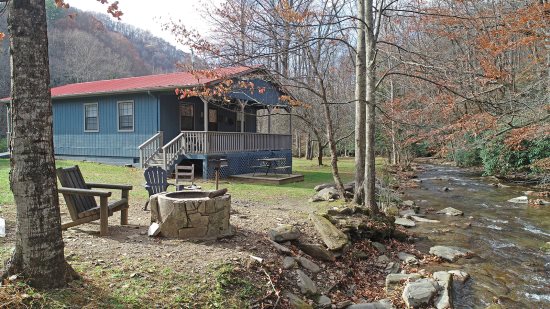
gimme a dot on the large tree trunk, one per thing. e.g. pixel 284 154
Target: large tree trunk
pixel 38 253
pixel 370 171
pixel 360 103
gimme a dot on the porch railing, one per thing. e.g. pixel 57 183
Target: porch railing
pixel 198 142
pixel 153 152
pixel 172 151
pixel 150 148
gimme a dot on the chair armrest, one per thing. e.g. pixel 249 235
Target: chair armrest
pixel 83 192
pixel 109 186
pixel 150 186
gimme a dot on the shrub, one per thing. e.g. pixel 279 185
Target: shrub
pixel 421 150
pixel 499 159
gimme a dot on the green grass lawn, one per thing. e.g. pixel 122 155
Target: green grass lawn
pixel 221 286
pixel 95 172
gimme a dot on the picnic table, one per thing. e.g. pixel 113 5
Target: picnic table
pixel 270 164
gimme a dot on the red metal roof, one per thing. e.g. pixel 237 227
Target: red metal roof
pixel 148 83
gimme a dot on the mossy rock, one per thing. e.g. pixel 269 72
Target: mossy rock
pixel 546 247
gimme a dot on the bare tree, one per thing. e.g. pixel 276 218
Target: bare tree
pixel 360 105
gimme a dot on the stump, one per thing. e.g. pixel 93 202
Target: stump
pixel 191 214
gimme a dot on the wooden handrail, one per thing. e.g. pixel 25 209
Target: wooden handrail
pixel 211 142
pixel 172 150
pixel 150 148
pixel 149 141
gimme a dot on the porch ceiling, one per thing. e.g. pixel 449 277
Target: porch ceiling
pixel 263 94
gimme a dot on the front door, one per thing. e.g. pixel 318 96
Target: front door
pixel 187 123
pixel 212 119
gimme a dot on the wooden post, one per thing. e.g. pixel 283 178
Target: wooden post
pixel 205 104
pixel 242 139
pixel 242 115
pixel 124 212
pixel 217 176
pixel 269 119
pixel 103 216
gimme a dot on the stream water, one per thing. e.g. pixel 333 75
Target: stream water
pixel 506 237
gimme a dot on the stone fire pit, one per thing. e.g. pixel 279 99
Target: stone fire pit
pixel 191 214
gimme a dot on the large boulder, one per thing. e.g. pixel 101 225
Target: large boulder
pixel 394 280
pixel 449 211
pixel 323 186
pixel 519 200
pixel 419 293
pixel 328 194
pixel 407 258
pixel 459 275
pixel 284 232
pixel 445 282
pixel 449 253
pixel 333 238
pixel 404 222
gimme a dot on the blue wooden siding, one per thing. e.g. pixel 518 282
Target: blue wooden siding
pixel 71 140
pixel 169 117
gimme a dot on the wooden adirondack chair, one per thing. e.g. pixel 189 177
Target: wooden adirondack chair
pixel 156 181
pixel 82 205
pixel 184 174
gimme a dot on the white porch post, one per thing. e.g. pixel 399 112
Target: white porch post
pixel 205 104
pixel 242 115
pixel 269 119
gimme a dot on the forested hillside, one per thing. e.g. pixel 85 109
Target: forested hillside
pixel 91 46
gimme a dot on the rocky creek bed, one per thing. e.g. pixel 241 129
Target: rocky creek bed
pixel 478 243
pixel 511 266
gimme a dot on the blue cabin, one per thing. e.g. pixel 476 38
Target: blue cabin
pixel 144 121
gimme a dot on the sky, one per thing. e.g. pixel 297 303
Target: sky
pixel 150 15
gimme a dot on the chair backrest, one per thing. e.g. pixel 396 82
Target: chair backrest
pixel 71 177
pixel 156 180
pixel 185 173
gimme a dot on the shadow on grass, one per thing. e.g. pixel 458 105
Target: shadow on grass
pixel 77 294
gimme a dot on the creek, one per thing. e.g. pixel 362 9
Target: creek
pixel 506 238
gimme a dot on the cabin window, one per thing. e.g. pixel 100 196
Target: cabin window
pixel 91 117
pixel 126 116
